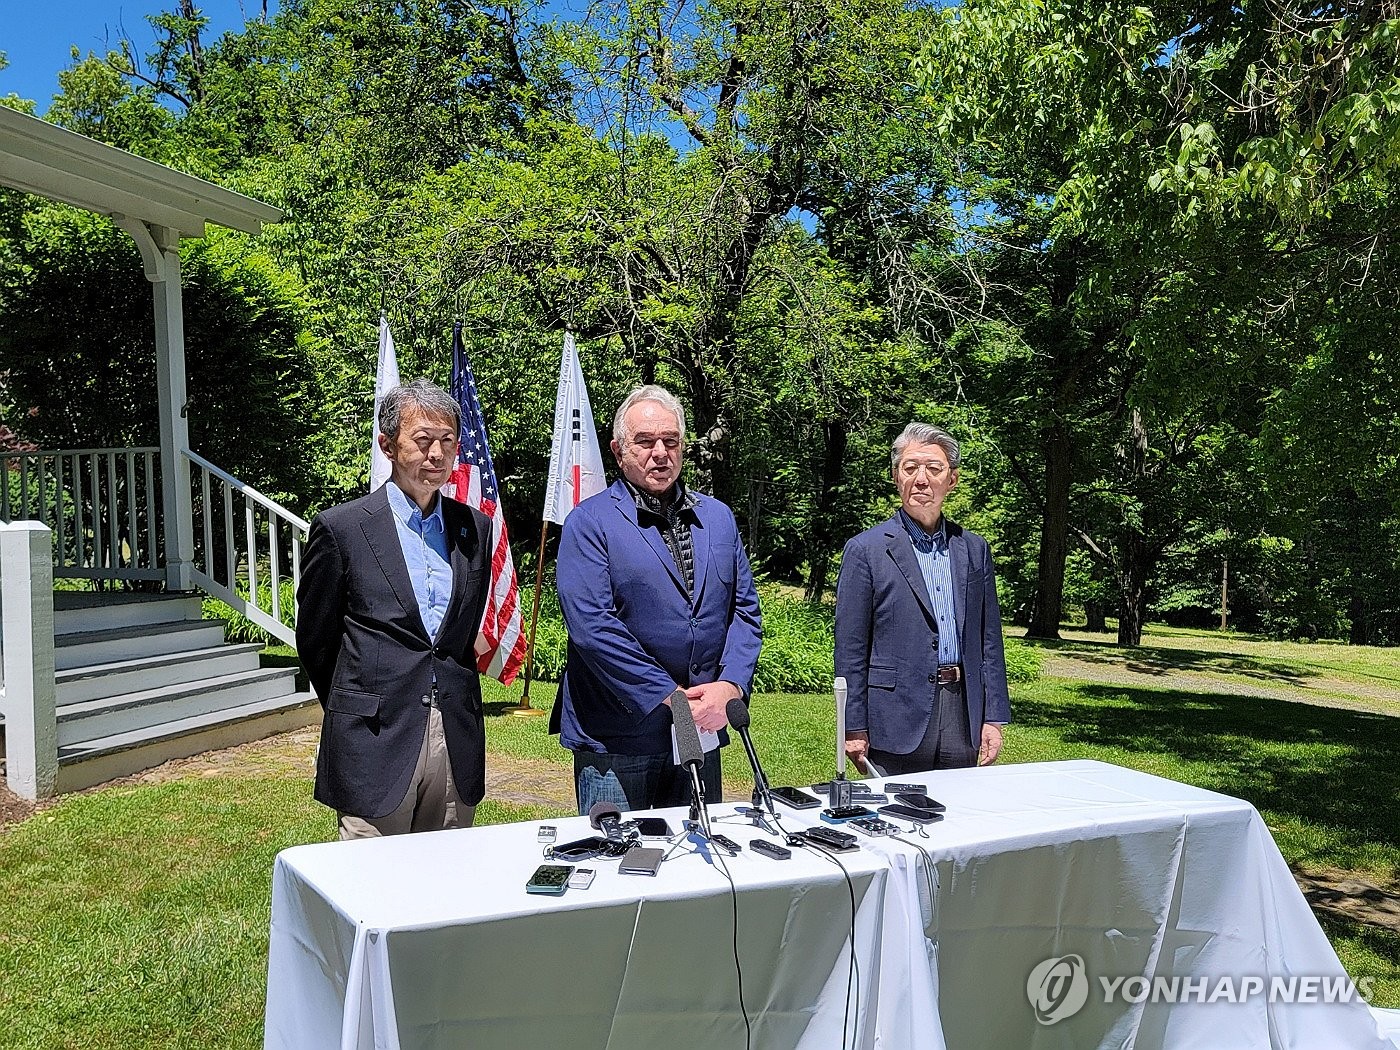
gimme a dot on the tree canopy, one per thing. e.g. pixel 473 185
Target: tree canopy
pixel 1137 257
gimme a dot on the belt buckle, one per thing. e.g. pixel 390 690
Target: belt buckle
pixel 949 674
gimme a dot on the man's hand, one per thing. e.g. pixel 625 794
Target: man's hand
pixel 857 744
pixel 708 701
pixel 991 744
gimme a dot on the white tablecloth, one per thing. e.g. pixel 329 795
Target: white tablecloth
pixel 431 941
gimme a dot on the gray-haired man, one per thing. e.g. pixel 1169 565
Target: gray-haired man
pixel 393 587
pixel 918 627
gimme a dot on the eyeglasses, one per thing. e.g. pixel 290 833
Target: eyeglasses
pixel 932 468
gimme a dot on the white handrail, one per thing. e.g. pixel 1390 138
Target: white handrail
pixel 242 541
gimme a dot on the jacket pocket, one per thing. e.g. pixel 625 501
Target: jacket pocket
pixel 352 702
pixel 882 677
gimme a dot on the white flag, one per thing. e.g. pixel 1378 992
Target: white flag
pixel 386 377
pixel 575 463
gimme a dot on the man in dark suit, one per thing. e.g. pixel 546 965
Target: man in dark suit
pixel 657 594
pixel 918 628
pixel 393 588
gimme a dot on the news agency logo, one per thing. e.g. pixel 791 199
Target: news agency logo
pixel 1057 988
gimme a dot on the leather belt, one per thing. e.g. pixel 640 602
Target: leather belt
pixel 949 673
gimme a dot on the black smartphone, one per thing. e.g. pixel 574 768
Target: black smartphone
pixel 918 800
pixel 550 879
pixel 653 827
pixel 918 816
pixel 796 799
pixel 579 849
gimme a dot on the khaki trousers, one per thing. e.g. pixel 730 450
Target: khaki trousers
pixel 432 802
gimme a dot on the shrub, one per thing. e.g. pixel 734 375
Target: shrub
pixel 798 645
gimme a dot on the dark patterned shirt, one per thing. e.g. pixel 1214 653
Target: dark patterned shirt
pixel 673 515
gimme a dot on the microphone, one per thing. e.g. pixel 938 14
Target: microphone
pixel 840 788
pixel 840 691
pixel 691 754
pixel 607 818
pixel 738 714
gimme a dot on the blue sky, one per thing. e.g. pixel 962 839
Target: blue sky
pixel 37 35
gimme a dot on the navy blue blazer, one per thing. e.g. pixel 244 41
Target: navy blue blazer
pixel 887 637
pixel 634 635
pixel 371 662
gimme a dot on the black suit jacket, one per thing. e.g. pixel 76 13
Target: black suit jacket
pixel 370 660
pixel 887 637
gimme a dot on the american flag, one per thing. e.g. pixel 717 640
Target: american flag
pixel 500 645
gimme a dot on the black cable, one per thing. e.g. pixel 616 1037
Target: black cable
pixel 853 973
pixel 738 969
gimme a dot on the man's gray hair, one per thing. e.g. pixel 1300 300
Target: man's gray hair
pixel 660 395
pixel 926 434
pixel 428 398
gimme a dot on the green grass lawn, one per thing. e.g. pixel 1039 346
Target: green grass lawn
pixel 1362 672
pixel 137 916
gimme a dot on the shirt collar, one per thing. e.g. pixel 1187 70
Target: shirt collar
pixel 924 541
pixel 407 511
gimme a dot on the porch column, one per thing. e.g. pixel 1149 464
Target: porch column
pixel 160 253
pixel 26 606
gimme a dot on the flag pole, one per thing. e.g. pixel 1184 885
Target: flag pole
pixel 525 710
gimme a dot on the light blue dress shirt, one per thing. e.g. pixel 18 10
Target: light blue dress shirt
pixel 936 565
pixel 424 544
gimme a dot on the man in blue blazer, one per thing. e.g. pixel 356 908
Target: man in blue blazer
pixel 657 595
pixel 918 628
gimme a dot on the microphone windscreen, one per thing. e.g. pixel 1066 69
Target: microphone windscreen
pixel 601 810
pixel 687 736
pixel 737 712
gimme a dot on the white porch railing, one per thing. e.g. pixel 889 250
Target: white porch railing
pixel 101 504
pixel 247 548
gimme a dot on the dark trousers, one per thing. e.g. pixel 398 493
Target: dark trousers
pixel 946 743
pixel 640 781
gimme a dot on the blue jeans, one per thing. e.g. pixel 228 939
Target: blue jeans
pixel 640 781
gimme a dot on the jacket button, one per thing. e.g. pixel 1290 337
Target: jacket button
pixel 426 701
pixel 694 668
pixel 933 677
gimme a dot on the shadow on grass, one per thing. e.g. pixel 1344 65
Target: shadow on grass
pixel 1328 767
pixel 1165 660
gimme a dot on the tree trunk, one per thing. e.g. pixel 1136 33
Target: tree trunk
pixel 1054 533
pixel 1095 616
pixel 819 551
pixel 1134 560
pixel 1132 588
pixel 1359 633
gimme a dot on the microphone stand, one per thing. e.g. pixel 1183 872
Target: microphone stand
pixel 699 814
pixel 692 756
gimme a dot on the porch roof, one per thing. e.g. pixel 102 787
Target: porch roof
pixel 48 161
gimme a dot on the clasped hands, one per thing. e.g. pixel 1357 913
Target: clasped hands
pixel 708 703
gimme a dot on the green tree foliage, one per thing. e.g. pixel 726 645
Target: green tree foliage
pixel 77 343
pixel 1137 256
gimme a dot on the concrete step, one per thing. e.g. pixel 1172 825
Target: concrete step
pixel 130 643
pixel 79 612
pixel 121 754
pixel 147 708
pixel 111 679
